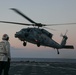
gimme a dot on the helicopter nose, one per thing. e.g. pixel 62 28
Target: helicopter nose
pixel 18 34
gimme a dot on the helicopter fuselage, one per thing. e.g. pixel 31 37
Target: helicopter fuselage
pixel 37 36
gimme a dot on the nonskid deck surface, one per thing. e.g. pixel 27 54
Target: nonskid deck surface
pixel 36 68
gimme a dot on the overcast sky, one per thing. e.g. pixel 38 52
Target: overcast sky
pixel 42 11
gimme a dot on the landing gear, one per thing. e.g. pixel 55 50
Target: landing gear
pixel 24 43
pixel 38 44
pixel 57 51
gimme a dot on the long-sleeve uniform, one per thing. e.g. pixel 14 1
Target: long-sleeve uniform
pixel 4 57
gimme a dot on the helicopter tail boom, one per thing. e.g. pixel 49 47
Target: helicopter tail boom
pixel 68 47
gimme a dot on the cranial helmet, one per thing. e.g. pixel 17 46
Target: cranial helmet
pixel 5 37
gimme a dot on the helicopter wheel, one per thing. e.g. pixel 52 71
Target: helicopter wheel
pixel 38 44
pixel 57 51
pixel 24 43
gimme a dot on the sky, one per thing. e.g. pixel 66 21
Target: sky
pixel 41 11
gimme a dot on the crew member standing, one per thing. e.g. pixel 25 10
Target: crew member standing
pixel 5 55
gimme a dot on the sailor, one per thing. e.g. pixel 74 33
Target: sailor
pixel 5 55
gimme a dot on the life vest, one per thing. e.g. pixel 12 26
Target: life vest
pixel 3 51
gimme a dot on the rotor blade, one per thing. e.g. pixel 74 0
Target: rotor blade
pixel 20 13
pixel 59 24
pixel 66 32
pixel 50 28
pixel 15 23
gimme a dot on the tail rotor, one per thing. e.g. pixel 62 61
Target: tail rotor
pixel 64 34
pixel 63 43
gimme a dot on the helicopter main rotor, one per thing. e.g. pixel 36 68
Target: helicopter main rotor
pixel 26 17
pixel 33 22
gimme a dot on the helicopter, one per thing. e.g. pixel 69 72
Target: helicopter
pixel 37 35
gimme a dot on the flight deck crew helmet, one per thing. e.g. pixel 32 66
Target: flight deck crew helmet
pixel 5 37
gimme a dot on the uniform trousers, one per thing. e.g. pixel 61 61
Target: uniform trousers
pixel 4 67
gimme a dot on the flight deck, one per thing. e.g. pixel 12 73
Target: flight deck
pixel 42 68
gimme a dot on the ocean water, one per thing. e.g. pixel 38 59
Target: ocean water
pixel 42 66
pixel 44 60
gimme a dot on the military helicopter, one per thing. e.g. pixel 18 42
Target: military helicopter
pixel 37 35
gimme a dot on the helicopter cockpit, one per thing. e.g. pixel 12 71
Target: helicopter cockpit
pixel 47 33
